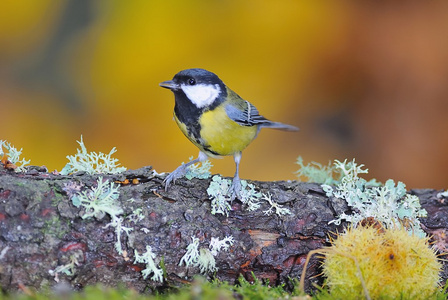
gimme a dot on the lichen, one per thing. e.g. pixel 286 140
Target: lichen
pixel 68 269
pixel 331 174
pixel 276 208
pixel 388 204
pixel 12 154
pixel 136 215
pixel 250 196
pixel 117 223
pixel 92 162
pixel 218 193
pixel 442 194
pixel 316 172
pixel 99 200
pixel 190 258
pixel 204 258
pixel 151 267
pixel 199 170
pixel 206 261
pixel 217 245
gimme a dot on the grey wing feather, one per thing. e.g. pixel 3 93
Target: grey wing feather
pixel 249 116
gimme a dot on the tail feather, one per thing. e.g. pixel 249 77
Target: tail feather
pixel 279 126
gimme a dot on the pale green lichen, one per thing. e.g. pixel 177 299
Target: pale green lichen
pixel 190 258
pixel 92 162
pixel 68 269
pixel 316 172
pixel 151 267
pixel 145 230
pixel 249 196
pixel 117 223
pixel 219 187
pixel 388 204
pixel 330 174
pixel 206 262
pixel 442 194
pixel 136 215
pixel 204 258
pixel 275 207
pixel 99 200
pixel 13 155
pixel 199 170
pixel 217 245
pixel 218 192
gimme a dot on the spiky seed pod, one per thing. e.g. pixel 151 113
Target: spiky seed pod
pixel 384 264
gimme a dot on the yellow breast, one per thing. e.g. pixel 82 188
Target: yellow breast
pixel 223 135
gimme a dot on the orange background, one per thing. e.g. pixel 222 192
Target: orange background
pixel 361 79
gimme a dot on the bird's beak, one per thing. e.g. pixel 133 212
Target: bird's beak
pixel 169 84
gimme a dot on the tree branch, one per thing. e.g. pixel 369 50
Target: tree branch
pixel 44 239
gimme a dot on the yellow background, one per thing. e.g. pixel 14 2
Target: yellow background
pixel 361 79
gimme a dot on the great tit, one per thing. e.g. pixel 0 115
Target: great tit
pixel 215 119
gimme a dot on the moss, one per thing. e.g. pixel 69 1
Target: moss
pixel 58 197
pixel 198 289
pixel 55 227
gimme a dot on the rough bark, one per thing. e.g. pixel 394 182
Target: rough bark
pixel 40 229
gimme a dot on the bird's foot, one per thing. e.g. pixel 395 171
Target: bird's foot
pixel 176 174
pixel 235 189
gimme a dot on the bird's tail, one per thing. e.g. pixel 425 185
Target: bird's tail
pixel 279 126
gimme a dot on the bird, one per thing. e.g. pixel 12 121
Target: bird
pixel 215 119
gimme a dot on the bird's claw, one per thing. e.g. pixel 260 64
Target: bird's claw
pixel 235 189
pixel 176 174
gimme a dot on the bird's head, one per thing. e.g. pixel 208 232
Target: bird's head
pixel 200 86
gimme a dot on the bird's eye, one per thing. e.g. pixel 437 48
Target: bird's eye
pixel 191 81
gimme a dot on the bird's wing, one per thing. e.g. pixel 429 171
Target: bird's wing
pixel 246 115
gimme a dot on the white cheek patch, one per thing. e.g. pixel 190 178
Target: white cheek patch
pixel 201 94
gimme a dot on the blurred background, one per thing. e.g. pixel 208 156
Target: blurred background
pixel 362 79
